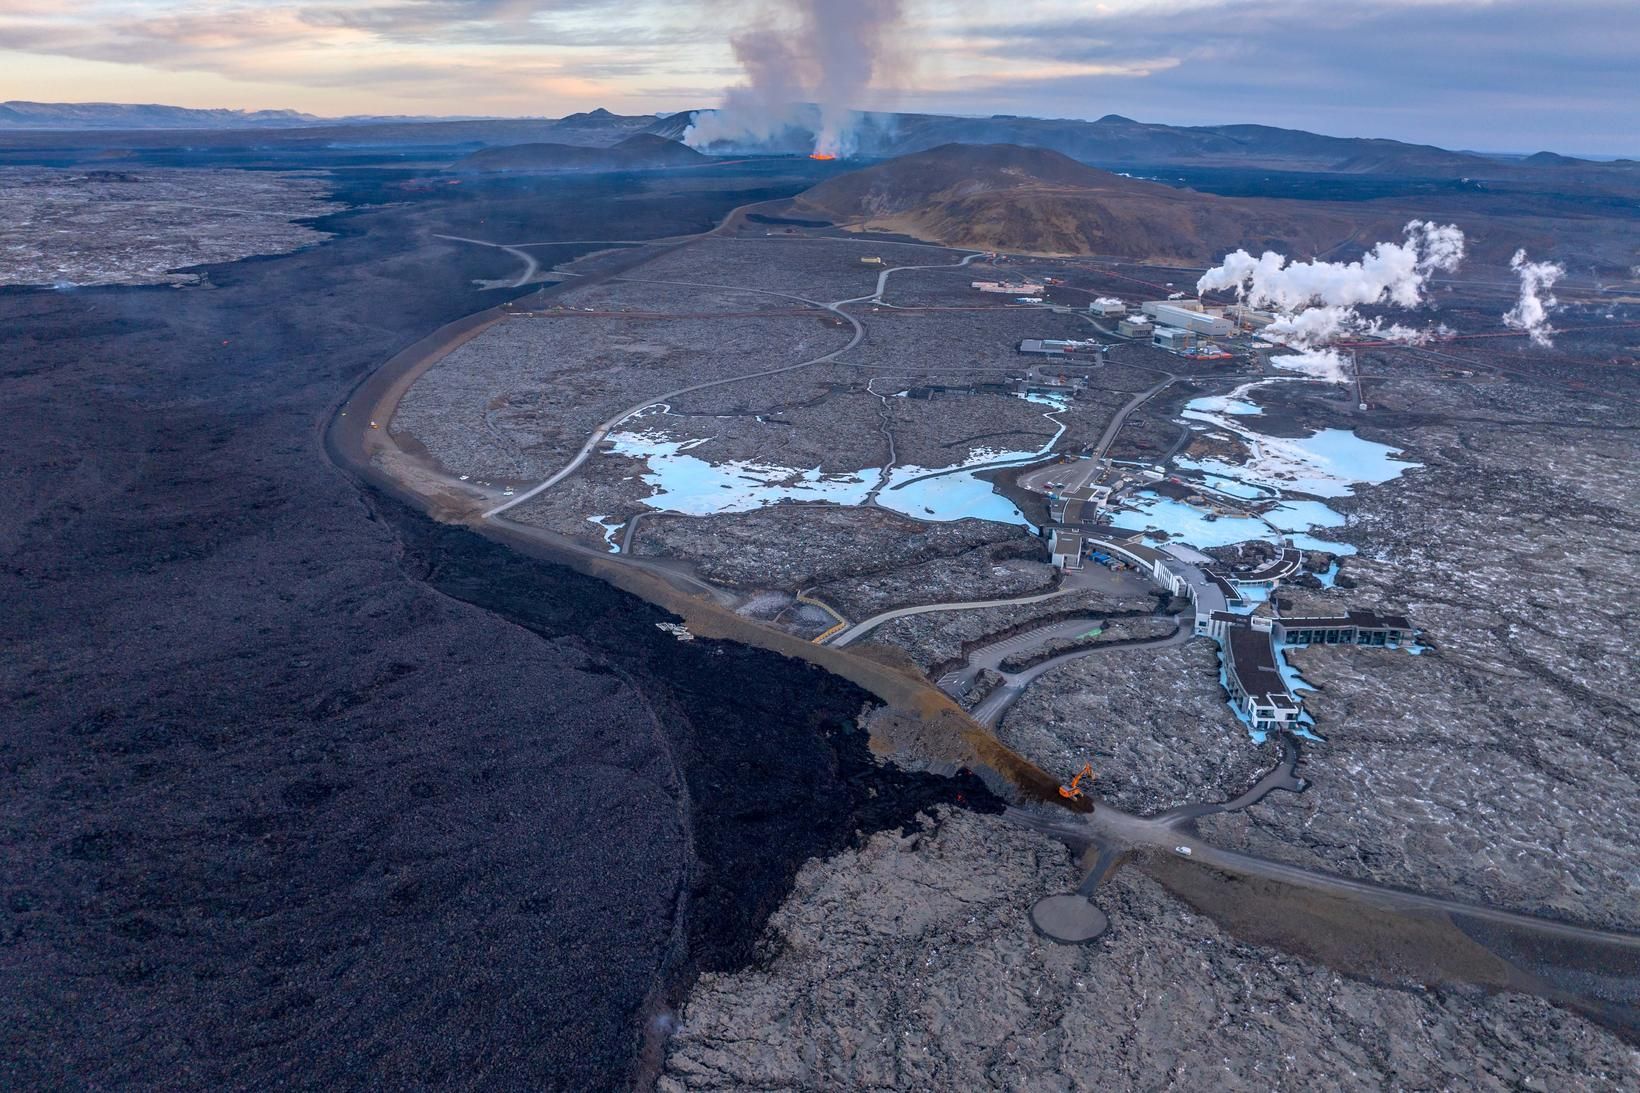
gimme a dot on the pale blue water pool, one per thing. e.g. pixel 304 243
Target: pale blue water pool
pixel 688 484
pixel 1327 463
pixel 1187 523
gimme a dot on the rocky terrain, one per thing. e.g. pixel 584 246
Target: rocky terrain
pixel 941 638
pixel 144 226
pixel 1153 722
pixel 910 963
pixel 642 151
pixel 1499 766
pixel 789 546
pixel 517 401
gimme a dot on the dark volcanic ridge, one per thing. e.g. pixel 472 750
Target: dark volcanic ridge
pixel 638 152
pixel 1005 197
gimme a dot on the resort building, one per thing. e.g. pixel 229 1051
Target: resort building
pixel 1350 628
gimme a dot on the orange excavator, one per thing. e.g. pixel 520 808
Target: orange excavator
pixel 1073 792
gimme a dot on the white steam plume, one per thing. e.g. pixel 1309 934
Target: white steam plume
pixel 1316 301
pixel 1321 364
pixel 828 53
pixel 1531 311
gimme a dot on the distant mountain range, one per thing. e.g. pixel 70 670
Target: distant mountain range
pixel 1112 141
pixel 18 114
pixel 1117 141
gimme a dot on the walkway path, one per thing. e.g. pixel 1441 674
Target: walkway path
pixel 957 681
pixel 990 711
pixel 860 629
pixel 1284 775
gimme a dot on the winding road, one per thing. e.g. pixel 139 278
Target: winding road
pixel 604 428
pixel 1115 832
pixel 989 712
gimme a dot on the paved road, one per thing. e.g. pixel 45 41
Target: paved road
pixel 1112 829
pixel 990 711
pixel 860 629
pixel 1115 831
pixel 1121 417
pixel 1284 775
pixel 956 681
pixel 1077 580
pixel 1086 469
pixel 605 427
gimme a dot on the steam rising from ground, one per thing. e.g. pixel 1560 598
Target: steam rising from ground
pixel 1316 301
pixel 1531 311
pixel 807 73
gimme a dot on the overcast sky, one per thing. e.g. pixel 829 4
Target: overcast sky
pixel 1492 75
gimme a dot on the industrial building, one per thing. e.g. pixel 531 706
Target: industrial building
pixel 1135 327
pixel 1173 339
pixel 1149 306
pixel 1058 347
pixel 1108 307
pixel 1244 316
pixel 1011 288
pixel 1192 319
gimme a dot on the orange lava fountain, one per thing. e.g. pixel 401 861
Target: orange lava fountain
pixel 821 155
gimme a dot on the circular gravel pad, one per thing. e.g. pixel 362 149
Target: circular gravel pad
pixel 1068 919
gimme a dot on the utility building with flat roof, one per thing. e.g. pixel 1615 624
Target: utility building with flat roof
pixel 1173 339
pixel 1191 319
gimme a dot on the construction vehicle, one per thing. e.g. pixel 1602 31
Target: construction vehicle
pixel 1073 792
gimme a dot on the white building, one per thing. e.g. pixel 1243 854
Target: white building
pixel 1065 548
pixel 1149 307
pixel 1012 288
pixel 1192 319
pixel 1108 306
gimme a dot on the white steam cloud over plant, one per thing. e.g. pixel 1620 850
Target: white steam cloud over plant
pixel 805 70
pixel 1315 302
pixel 1531 311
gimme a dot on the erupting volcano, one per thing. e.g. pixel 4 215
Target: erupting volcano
pixel 807 64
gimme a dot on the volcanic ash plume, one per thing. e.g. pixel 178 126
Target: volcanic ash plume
pixel 826 53
pixel 1316 301
pixel 1531 311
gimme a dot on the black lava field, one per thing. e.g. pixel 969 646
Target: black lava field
pixel 302 789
